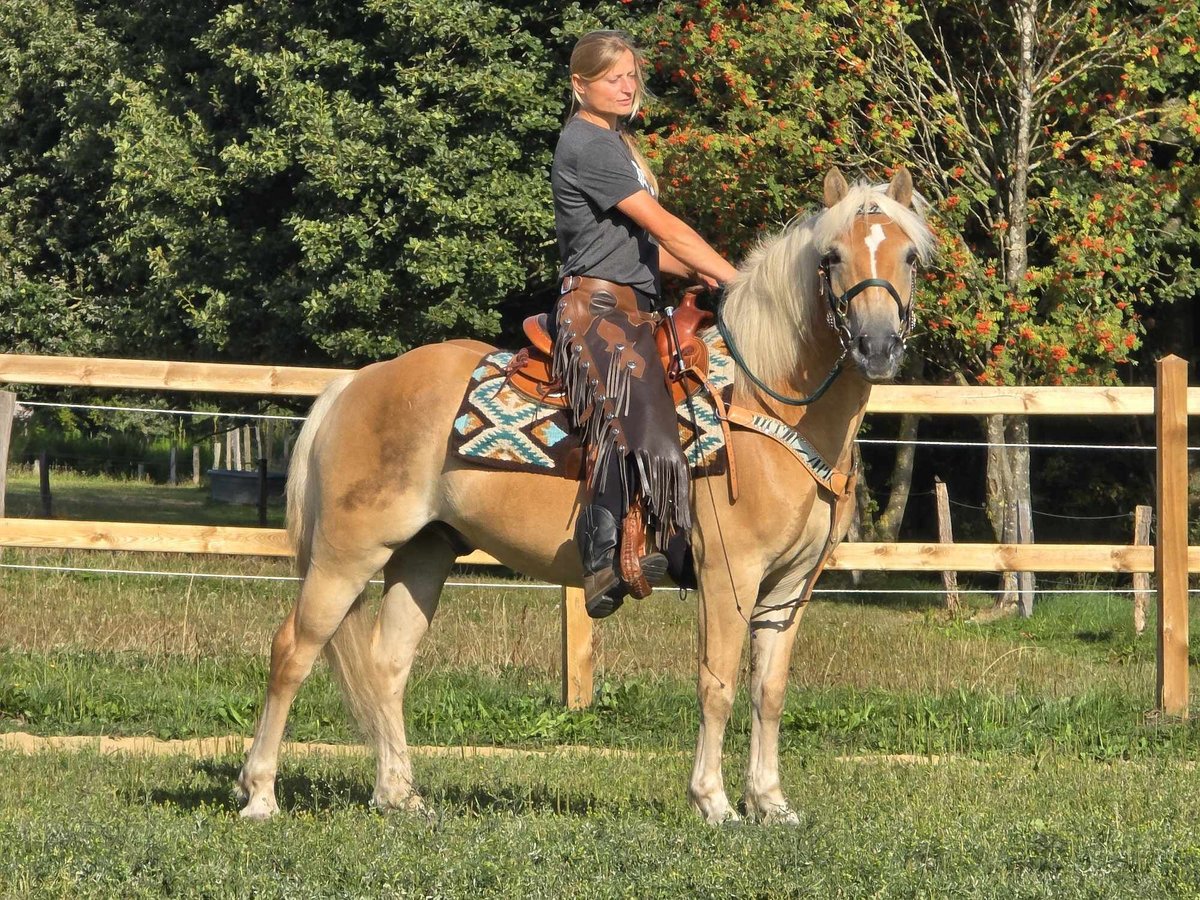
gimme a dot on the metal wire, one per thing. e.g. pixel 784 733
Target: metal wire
pixel 173 412
pixel 538 586
pixel 227 415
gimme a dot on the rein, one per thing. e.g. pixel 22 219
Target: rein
pixel 727 336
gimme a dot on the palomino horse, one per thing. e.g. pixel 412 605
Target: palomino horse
pixel 372 487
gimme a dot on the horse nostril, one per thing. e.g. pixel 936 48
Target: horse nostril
pixel 870 346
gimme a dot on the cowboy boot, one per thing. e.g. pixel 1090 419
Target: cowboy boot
pixel 596 536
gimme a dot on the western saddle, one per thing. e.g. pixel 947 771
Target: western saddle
pixel 529 372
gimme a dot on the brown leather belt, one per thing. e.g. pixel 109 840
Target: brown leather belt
pixel 626 297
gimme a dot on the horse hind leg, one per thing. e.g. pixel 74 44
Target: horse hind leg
pixel 325 598
pixel 372 661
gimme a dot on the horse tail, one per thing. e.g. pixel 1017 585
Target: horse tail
pixel 301 510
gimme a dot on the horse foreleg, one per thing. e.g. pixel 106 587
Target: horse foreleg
pixel 773 627
pixel 413 579
pixel 722 631
pixel 324 601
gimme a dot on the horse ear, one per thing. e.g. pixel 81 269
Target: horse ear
pixel 900 189
pixel 835 187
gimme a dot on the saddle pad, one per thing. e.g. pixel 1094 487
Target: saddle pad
pixel 499 427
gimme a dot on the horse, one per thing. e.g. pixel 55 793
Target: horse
pixel 818 313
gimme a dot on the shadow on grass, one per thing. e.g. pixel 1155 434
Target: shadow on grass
pixel 213 784
pixel 525 799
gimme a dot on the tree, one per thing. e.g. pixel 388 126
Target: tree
pixel 1056 146
pixel 273 181
pixel 1059 141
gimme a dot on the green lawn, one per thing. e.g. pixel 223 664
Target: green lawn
pixel 103 499
pixel 1054 781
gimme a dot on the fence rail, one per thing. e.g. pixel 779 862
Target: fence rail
pixel 900 557
pixel 1170 558
pixel 75 371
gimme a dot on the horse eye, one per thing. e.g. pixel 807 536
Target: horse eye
pixel 831 258
pixel 911 259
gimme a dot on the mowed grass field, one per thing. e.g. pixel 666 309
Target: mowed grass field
pixel 1030 766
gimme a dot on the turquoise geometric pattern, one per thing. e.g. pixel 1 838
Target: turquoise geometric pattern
pixel 499 427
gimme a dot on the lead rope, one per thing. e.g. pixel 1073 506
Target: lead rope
pixel 741 364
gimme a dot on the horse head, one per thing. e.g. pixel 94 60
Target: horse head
pixel 869 242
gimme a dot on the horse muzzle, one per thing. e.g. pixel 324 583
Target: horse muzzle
pixel 877 353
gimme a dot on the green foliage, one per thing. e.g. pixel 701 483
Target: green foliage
pixel 756 104
pixel 277 182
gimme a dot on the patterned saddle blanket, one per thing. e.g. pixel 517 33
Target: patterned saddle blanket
pixel 501 427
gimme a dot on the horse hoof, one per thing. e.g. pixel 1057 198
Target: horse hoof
pixel 411 805
pixel 727 819
pixel 781 815
pixel 258 811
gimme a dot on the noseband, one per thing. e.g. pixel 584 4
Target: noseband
pixel 839 305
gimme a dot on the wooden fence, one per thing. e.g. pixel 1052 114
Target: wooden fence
pixel 1170 559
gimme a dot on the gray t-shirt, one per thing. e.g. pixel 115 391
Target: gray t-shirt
pixel 594 171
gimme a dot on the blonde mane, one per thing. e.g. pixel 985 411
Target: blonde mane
pixel 774 307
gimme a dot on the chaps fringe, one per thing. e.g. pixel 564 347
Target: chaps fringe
pixel 600 379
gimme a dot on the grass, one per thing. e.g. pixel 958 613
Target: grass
pixel 564 826
pixel 107 499
pixel 1058 783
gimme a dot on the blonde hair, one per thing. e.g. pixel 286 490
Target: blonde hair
pixel 594 55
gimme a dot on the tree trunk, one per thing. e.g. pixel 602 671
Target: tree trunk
pixel 863 503
pixel 1008 455
pixel 887 526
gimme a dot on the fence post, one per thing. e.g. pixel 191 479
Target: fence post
pixel 1170 549
pixel 172 474
pixel 262 492
pixel 44 484
pixel 1171 544
pixel 8 408
pixel 196 464
pixel 576 650
pixel 946 536
pixel 1142 516
pixel 1024 579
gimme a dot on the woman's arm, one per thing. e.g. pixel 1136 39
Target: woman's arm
pixel 671 266
pixel 680 241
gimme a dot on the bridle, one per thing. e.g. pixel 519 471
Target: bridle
pixel 839 309
pixel 839 304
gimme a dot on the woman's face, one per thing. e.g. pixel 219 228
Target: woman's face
pixel 613 93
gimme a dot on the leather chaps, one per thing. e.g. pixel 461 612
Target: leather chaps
pixel 606 359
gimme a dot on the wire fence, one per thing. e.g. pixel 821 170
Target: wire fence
pixel 866 441
pixel 539 586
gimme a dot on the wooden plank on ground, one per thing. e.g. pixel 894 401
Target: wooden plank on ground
pixel 1170 548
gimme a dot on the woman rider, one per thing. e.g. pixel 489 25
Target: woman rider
pixel 615 240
